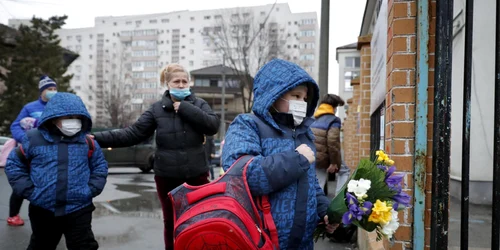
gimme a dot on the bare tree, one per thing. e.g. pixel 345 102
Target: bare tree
pixel 115 93
pixel 247 43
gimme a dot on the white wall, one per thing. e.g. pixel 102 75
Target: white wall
pixel 482 102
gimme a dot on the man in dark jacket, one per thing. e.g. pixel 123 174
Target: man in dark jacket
pixel 181 121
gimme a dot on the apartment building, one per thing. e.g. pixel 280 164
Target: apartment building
pixel 124 55
pixel 348 58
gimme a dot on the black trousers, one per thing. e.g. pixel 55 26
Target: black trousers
pixel 15 204
pixel 48 229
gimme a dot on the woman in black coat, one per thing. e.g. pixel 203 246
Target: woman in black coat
pixel 181 121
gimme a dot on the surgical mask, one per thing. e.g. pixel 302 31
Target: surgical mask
pixel 70 127
pixel 298 109
pixel 180 94
pixel 50 94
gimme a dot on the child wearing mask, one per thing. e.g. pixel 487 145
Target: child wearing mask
pixel 57 170
pixel 279 138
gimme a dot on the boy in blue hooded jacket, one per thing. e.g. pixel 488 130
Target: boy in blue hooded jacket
pixel 279 137
pixel 55 171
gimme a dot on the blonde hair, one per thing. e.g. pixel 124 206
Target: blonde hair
pixel 167 72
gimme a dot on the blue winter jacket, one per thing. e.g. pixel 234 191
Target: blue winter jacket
pixel 60 176
pixel 32 109
pixel 297 201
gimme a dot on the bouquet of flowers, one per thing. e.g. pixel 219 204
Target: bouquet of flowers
pixel 370 199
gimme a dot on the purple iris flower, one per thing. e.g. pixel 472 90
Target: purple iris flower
pixel 355 212
pixel 402 198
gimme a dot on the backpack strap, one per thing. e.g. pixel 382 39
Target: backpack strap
pixel 91 144
pixel 22 155
pixel 265 206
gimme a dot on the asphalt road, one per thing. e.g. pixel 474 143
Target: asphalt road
pixel 127 216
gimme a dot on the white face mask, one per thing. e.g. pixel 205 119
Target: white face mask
pixel 298 109
pixel 71 127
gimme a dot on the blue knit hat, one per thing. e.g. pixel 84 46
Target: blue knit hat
pixel 45 83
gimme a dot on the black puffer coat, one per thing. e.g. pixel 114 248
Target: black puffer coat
pixel 179 136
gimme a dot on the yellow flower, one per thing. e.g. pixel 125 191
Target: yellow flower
pixel 389 162
pixel 381 213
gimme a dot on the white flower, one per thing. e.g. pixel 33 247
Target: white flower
pixel 359 187
pixel 390 228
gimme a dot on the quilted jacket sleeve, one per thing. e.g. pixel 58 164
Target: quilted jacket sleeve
pixel 141 130
pixel 266 174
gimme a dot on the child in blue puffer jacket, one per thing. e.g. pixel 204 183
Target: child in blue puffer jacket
pixel 59 171
pixel 279 137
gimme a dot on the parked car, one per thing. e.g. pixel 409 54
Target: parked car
pixel 140 155
pixel 3 140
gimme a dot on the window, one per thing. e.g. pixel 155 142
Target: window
pixel 90 77
pixel 191 41
pixel 150 53
pixel 137 75
pixel 218 17
pixel 78 38
pixel 150 74
pixel 78 87
pixel 166 20
pixel 307 21
pixel 114 23
pixel 202 82
pixel 262 13
pixel 191 52
pixel 352 62
pixel 138 23
pixel 77 77
pixel 307 45
pixel 192 18
pixel 128 23
pixel 126 33
pixel 308 57
pixel 348 77
pixel 191 30
pixel 153 21
pixel 90 98
pixel 90 56
pixel 246 14
pixel 150 63
pixel 307 33
pixel 91 36
pixel 69 38
pixel 206 17
pixel 78 68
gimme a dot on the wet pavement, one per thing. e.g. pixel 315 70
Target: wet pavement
pixel 127 216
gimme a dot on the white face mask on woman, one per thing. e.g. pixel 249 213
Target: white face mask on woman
pixel 70 127
pixel 298 109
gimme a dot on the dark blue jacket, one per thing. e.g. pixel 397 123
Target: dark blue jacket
pixel 32 109
pixel 61 177
pixel 297 201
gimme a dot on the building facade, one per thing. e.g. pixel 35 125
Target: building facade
pixel 348 58
pixel 125 54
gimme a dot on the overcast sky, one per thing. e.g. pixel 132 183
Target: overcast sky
pixel 345 15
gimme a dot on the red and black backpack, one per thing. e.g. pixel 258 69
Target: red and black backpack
pixel 223 214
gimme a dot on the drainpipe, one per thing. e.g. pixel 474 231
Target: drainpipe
pixel 421 125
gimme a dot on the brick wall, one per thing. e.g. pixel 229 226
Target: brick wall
pixel 400 112
pixel 365 94
pixel 351 151
pixel 400 103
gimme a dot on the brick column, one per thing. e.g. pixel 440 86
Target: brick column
pixel 400 103
pixel 365 95
pixel 354 120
